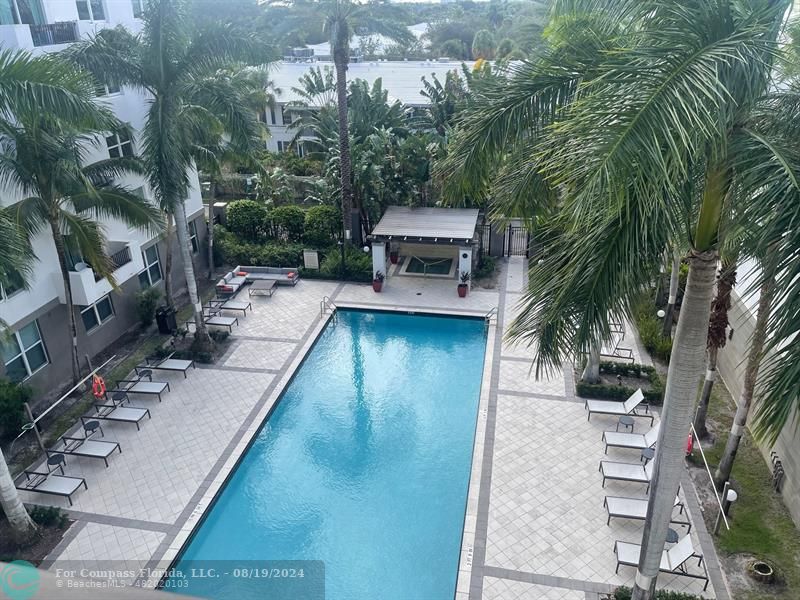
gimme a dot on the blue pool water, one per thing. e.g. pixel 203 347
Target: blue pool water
pixel 364 465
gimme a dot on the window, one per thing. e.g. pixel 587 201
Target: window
pixel 119 144
pixel 284 146
pixel 272 118
pixel 23 352
pixel 286 115
pixel 16 12
pixel 101 90
pixel 152 267
pixel 138 8
pixel 193 236
pixel 90 10
pixel 14 284
pixel 98 313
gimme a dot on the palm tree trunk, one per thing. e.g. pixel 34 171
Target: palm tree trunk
pixel 673 295
pixel 591 374
pixel 341 57
pixel 705 396
pixel 685 367
pixel 22 526
pixel 58 240
pixel 211 230
pixel 202 341
pixel 168 298
pixel 717 337
pixel 723 472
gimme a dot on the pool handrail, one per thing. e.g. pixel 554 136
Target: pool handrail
pixel 325 305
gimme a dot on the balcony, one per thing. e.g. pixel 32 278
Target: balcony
pixel 88 286
pixel 51 34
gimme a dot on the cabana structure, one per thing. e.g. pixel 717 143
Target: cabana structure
pixel 425 242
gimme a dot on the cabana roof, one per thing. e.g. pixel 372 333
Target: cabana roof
pixel 427 225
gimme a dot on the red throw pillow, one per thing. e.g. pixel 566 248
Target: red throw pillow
pixel 226 288
pixel 241 274
pixel 290 274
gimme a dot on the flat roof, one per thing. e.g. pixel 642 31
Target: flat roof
pixel 437 225
pixel 402 79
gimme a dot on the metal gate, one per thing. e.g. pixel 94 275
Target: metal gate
pixel 517 241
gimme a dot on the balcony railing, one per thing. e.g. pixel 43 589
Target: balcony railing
pixel 121 257
pixel 54 33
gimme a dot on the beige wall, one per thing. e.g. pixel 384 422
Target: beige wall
pixel 731 364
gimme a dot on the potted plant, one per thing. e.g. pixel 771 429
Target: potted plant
pixel 394 254
pixel 464 285
pixel 377 281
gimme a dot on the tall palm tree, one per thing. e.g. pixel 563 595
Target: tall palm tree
pixel 180 68
pixel 657 97
pixel 339 20
pixel 45 160
pixel 22 526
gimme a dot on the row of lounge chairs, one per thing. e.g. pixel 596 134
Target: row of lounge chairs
pixel 675 560
pixel 54 481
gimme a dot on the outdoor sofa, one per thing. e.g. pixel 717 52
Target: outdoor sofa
pixel 233 280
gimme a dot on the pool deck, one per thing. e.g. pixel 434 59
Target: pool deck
pixel 535 526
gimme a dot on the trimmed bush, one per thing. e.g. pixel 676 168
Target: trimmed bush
pixel 146 302
pixel 358 266
pixel 654 395
pixel 649 326
pixel 48 516
pixel 322 225
pixel 624 593
pixel 12 414
pixel 288 222
pixel 233 251
pixel 247 219
pixel 485 268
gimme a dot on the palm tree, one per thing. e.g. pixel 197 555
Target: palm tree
pixel 180 68
pixel 339 19
pixel 646 100
pixel 22 526
pixel 674 278
pixel 44 159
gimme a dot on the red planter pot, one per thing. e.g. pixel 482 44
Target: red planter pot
pixel 376 286
pixel 462 290
pixel 393 256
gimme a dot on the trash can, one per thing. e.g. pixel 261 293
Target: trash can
pixel 166 321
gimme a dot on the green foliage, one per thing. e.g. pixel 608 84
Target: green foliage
pixel 624 593
pixel 322 225
pixel 358 265
pixel 49 516
pixel 504 48
pixel 288 222
pixel 12 414
pixel 455 48
pixel 232 251
pixel 654 395
pixel 485 268
pixel 247 219
pixel 483 45
pixel 146 302
pixel 650 326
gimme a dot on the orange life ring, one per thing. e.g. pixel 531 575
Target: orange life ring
pixel 98 387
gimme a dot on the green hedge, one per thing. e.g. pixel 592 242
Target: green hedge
pixel 485 268
pixel 624 593
pixel 650 326
pixel 229 249
pixel 655 395
pixel 322 225
pixel 358 265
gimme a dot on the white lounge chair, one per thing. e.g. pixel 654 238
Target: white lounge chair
pixel 220 321
pixel 50 483
pixel 122 414
pixel 137 386
pixel 636 509
pixel 88 448
pixel 672 561
pixel 164 364
pixel 634 441
pixel 239 305
pixel 610 407
pixel 635 472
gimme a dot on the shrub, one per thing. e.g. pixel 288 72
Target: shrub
pixel 218 335
pixel 48 516
pixel 624 593
pixel 12 413
pixel 358 266
pixel 322 225
pixel 231 250
pixel 654 395
pixel 485 268
pixel 247 219
pixel 146 302
pixel 649 327
pixel 288 222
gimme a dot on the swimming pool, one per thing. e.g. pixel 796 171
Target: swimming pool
pixel 364 464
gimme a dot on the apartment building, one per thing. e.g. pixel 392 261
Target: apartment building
pixel 38 351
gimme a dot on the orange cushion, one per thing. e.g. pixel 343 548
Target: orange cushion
pixel 290 274
pixel 226 288
pixel 241 274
